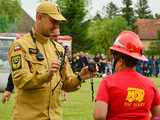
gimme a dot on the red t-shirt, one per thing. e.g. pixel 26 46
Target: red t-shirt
pixel 129 95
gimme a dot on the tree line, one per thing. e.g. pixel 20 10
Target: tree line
pixel 98 33
pixel 89 34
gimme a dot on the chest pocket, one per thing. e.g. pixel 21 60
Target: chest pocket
pixel 35 65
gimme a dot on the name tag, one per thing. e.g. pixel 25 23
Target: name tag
pixel 33 51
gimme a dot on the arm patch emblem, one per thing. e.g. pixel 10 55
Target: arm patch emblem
pixel 16 62
pixel 17 48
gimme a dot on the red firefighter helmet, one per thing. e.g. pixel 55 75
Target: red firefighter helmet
pixel 129 43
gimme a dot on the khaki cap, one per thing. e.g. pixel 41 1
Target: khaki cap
pixel 51 9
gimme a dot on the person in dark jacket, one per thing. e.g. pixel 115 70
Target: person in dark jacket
pixel 8 91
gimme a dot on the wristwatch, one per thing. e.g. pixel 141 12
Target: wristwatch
pixel 79 77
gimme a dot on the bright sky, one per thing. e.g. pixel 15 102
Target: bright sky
pixel 94 5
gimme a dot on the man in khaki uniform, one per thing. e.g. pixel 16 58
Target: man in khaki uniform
pixel 40 69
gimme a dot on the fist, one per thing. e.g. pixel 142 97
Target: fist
pixel 86 73
pixel 6 96
pixel 55 66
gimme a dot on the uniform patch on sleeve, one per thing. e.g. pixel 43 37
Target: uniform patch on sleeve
pixel 16 62
pixel 17 48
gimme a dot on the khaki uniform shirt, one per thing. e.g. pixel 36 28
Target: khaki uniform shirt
pixel 37 97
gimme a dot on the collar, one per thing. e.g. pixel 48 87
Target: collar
pixel 39 37
pixel 128 69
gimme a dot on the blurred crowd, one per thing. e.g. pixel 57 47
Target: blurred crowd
pixel 149 68
pixel 81 59
pixel 105 64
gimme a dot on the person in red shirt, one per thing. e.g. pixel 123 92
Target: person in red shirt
pixel 126 94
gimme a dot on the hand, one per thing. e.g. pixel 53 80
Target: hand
pixel 86 74
pixel 6 96
pixel 55 66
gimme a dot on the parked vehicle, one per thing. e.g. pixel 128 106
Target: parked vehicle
pixel 5 43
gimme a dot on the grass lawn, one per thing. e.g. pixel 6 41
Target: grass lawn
pixel 78 106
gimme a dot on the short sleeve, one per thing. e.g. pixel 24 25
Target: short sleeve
pixel 156 100
pixel 103 93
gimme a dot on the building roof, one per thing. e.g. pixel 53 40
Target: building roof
pixel 25 22
pixel 147 28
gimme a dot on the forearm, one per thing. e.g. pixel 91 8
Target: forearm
pixel 26 80
pixel 155 113
pixel 70 80
pixel 71 83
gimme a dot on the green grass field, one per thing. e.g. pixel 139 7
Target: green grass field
pixel 78 106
